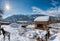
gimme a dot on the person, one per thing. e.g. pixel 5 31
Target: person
pixel 47 35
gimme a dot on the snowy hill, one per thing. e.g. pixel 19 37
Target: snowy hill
pixel 17 17
pixel 22 17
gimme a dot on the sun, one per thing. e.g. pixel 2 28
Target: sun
pixel 7 6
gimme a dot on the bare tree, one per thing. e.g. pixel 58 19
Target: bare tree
pixel 1 12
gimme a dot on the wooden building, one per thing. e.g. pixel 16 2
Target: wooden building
pixel 41 22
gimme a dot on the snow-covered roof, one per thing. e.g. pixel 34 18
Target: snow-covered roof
pixel 42 18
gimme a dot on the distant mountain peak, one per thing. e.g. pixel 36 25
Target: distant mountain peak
pixel 22 17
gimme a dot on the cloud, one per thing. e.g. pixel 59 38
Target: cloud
pixel 54 3
pixel 38 10
pixel 50 12
pixel 54 11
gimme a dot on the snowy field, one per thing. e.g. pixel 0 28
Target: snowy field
pixel 14 34
pixel 55 32
pixel 17 33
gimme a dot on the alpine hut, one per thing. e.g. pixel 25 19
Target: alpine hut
pixel 41 22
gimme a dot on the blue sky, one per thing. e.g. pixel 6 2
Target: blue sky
pixel 25 6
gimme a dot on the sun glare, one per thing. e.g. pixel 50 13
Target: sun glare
pixel 7 7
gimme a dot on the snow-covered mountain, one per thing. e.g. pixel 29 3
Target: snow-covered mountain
pixel 22 17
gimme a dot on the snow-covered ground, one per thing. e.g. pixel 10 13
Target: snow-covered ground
pixel 22 34
pixel 55 28
pixel 18 33
pixel 14 34
pixel 55 32
pixel 55 37
pixel 55 25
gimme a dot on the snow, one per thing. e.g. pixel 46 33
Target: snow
pixel 55 32
pixel 30 26
pixel 23 34
pixel 14 34
pixel 15 25
pixel 42 18
pixel 55 25
pixel 55 28
pixel 32 33
pixel 41 33
pixel 55 37
pixel 1 36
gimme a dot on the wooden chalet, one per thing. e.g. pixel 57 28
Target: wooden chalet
pixel 41 22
